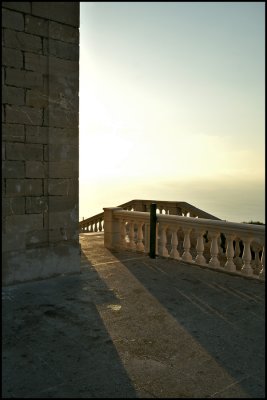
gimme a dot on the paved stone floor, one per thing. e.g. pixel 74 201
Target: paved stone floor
pixel 129 327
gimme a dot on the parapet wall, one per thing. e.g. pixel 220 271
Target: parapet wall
pixel 40 116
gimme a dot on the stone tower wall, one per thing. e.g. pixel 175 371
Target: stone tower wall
pixel 40 117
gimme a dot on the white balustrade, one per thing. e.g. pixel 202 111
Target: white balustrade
pixel 200 259
pixel 163 241
pixel 230 252
pixel 190 232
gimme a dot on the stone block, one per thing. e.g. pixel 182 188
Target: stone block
pixel 60 118
pixel 36 62
pixel 36 169
pixel 61 152
pixel 24 79
pixel 67 51
pixel 63 235
pixel 60 187
pixel 63 169
pixel 33 152
pixel 13 169
pixel 12 58
pixel 62 219
pixel 24 187
pixel 36 238
pixel 24 115
pixel 12 95
pixel 66 12
pixel 13 240
pixel 36 98
pixel 36 205
pixel 24 6
pixel 40 262
pixel 64 135
pixel 33 187
pixel 15 151
pixel 13 205
pixel 46 153
pixel 24 223
pixel 3 151
pixel 37 134
pixel 22 41
pixel 37 26
pixel 13 133
pixel 63 32
pixel 12 19
pixel 15 187
pixel 62 203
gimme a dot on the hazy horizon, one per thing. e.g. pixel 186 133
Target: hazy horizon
pixel 172 106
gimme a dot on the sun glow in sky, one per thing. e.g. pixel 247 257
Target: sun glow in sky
pixel 172 105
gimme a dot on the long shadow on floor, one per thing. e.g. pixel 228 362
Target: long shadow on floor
pixel 224 314
pixel 55 343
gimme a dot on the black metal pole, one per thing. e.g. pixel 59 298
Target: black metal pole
pixel 153 221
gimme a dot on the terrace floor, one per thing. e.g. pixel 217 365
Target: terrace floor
pixel 129 326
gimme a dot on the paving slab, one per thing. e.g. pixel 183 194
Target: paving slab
pixel 129 326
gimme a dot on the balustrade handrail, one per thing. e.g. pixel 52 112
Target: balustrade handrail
pixel 224 226
pixel 227 246
pixel 142 205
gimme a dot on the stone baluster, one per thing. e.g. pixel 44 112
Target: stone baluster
pixel 140 236
pixel 262 272
pixel 123 234
pixel 163 241
pixel 174 243
pixel 246 257
pixel 200 259
pixel 214 250
pixel 237 258
pixel 230 252
pixel 186 254
pixel 132 244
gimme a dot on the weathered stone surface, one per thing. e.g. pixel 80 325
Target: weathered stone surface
pixel 63 169
pixel 24 6
pixel 25 79
pixel 37 26
pixel 36 62
pixel 24 223
pixel 36 169
pixel 24 115
pixel 59 117
pixel 66 12
pixel 62 203
pixel 61 152
pixel 34 152
pixel 13 205
pixel 62 187
pixel 62 219
pixel 67 51
pixel 63 32
pixel 13 240
pixel 36 205
pixel 13 169
pixel 12 19
pixel 36 238
pixel 36 98
pixel 15 151
pixel 36 134
pixel 12 58
pixel 23 41
pixel 13 133
pixel 12 95
pixel 24 187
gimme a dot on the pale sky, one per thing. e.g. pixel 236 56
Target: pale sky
pixel 172 105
